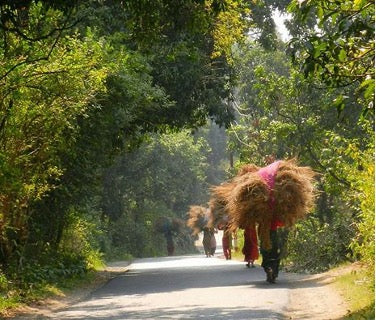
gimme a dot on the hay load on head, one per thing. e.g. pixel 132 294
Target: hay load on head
pixel 218 204
pixel 277 195
pixel 221 195
pixel 198 219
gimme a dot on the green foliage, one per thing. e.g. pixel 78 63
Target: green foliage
pixel 315 246
pixel 358 290
pixel 41 101
pixel 339 48
pixel 283 115
pixel 364 244
pixel 161 178
pixel 80 239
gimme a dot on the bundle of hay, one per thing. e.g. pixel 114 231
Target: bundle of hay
pixel 293 192
pixel 198 218
pixel 282 191
pixel 163 224
pixel 218 203
pixel 247 168
pixel 248 204
pixel 220 196
pixel 177 224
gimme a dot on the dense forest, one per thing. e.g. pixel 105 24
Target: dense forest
pixel 114 114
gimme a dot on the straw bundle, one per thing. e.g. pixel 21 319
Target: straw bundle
pixel 162 224
pixel 247 168
pixel 218 202
pixel 293 191
pixel 177 224
pixel 221 194
pixel 198 218
pixel 252 201
pixel 248 202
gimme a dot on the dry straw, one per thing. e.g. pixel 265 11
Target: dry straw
pixel 165 224
pixel 198 218
pixel 221 194
pixel 293 191
pixel 247 199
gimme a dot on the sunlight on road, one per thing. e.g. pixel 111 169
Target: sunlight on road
pixel 179 262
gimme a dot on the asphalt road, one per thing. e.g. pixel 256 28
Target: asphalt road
pixel 185 287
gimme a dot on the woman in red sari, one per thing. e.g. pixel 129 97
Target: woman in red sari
pixel 250 248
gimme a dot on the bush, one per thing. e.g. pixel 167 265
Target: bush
pixel 314 246
pixel 363 245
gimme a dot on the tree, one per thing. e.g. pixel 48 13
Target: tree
pixel 40 102
pixel 161 178
pixel 282 114
pixel 338 48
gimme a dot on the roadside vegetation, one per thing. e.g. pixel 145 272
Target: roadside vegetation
pixel 358 291
pixel 116 114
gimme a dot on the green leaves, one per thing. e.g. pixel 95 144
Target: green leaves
pixel 339 48
pixel 281 113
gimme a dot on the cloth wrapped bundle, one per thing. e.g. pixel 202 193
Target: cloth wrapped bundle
pixel 279 194
pixel 162 224
pixel 198 219
pixel 165 224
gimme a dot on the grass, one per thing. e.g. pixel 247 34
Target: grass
pixel 357 288
pixel 15 298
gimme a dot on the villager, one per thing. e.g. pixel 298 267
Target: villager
pixel 209 242
pixel 213 242
pixel 169 226
pixel 275 196
pixel 226 240
pixel 250 247
pixel 170 243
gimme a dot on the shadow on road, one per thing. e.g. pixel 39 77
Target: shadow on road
pixel 188 312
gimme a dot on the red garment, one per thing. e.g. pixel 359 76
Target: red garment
pixel 226 242
pixel 226 246
pixel 275 224
pixel 250 248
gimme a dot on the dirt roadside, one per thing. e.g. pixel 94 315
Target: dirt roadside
pixel 311 296
pixel 44 309
pixel 314 297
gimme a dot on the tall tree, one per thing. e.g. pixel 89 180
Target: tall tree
pixel 338 47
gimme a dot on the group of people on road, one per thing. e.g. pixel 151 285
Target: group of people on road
pixel 263 202
pixel 250 248
pixel 209 242
pixel 270 258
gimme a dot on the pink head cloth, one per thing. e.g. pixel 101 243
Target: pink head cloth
pixel 268 175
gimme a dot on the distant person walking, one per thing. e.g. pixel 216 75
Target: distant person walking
pixel 213 242
pixel 170 243
pixel 226 240
pixel 250 248
pixel 209 241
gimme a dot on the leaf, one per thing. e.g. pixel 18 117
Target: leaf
pixel 339 104
pixel 342 55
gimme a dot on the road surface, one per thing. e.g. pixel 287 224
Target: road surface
pixel 185 287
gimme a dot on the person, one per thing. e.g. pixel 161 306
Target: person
pixel 209 241
pixel 250 248
pixel 235 239
pixel 271 258
pixel 213 242
pixel 226 241
pixel 170 243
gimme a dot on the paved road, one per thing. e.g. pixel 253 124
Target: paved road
pixel 185 287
